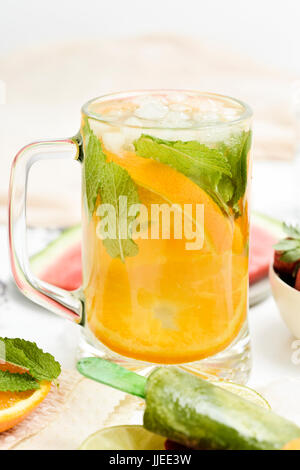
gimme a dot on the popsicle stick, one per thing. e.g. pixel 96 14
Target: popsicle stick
pixel 109 373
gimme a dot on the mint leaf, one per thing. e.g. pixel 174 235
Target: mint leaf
pixel 16 382
pixel 187 157
pixel 292 230
pixel 244 161
pixel 115 182
pixel 94 159
pixel 111 182
pixel 285 245
pixel 225 188
pixel 236 151
pixel 290 247
pixel 203 165
pixel 40 365
pixel 220 171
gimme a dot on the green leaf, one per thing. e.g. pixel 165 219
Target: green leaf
pixel 40 365
pixel 116 182
pixel 110 181
pixel 292 230
pixel 290 246
pixel 203 165
pixel 236 151
pixel 291 256
pixel 226 188
pixel 287 244
pixel 94 159
pixel 16 382
pixel 220 171
pixel 187 157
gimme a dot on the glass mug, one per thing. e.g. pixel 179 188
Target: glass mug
pixel 165 226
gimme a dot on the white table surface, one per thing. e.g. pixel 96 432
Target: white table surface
pixel 271 341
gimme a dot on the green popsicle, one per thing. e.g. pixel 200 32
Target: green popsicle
pixel 193 412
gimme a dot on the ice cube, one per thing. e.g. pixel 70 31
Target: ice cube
pixel 153 110
pixel 177 119
pixel 230 114
pixel 184 135
pixel 180 108
pixel 99 127
pixel 203 118
pixel 116 114
pixel 132 130
pixel 133 121
pixel 113 141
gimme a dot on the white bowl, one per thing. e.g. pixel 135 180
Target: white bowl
pixel 288 302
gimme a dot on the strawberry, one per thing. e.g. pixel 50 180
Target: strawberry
pixel 287 256
pixel 283 267
pixel 297 283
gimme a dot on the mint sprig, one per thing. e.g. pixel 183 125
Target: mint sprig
pixel 94 160
pixel 290 246
pixel 292 230
pixel 236 151
pixel 201 164
pixel 221 172
pixel 187 157
pixel 110 181
pixel 26 354
pixel 114 183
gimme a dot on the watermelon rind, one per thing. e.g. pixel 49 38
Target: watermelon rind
pixel 68 238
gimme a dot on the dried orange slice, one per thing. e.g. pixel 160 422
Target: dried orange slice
pixel 15 406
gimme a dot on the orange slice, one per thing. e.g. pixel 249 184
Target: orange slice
pixel 168 304
pixel 136 311
pixel 16 406
pixel 175 187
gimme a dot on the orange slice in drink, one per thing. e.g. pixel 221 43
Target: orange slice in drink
pixel 16 406
pixel 174 187
pixel 177 311
pixel 168 304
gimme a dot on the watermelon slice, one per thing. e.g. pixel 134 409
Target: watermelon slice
pixel 261 253
pixel 265 232
pixel 60 262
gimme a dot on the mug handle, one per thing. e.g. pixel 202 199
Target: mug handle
pixel 60 301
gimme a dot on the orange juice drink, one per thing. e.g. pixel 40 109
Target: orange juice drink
pixel 165 207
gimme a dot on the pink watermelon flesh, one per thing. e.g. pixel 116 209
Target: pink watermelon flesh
pixel 66 271
pixel 261 253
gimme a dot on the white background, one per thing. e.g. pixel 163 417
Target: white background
pixel 268 30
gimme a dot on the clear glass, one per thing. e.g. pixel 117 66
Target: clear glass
pixel 64 303
pixel 173 287
pixel 165 194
